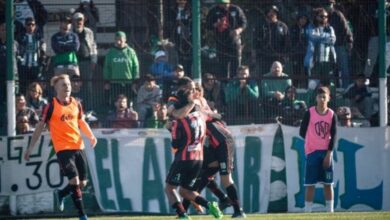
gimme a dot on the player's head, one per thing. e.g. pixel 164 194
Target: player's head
pixel 198 90
pixel 62 85
pixel 323 96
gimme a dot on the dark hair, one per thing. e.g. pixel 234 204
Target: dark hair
pixel 121 96
pixel 183 81
pixel 29 19
pixel 316 12
pixel 292 88
pixel 149 78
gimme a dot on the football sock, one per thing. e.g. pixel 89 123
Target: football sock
pixel 178 206
pixel 202 201
pixel 329 205
pixel 232 194
pixel 77 199
pixel 186 203
pixel 65 191
pixel 308 206
pixel 216 190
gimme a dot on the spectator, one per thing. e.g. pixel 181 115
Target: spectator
pixel 24 113
pixel 242 94
pixel 275 83
pixel 122 116
pixel 91 14
pixel 350 117
pixel 177 27
pixel 121 68
pixel 35 99
pixel 358 95
pixel 213 92
pixel 22 127
pixel 298 48
pixel 159 116
pixel 293 109
pixel 80 93
pixel 170 85
pixel 227 21
pixel 32 50
pixel 148 96
pixel 65 44
pixel 87 53
pixel 273 87
pixel 320 55
pixel 373 43
pixel 161 69
pixel 344 43
pixel 271 41
pixel 31 9
pixel 3 63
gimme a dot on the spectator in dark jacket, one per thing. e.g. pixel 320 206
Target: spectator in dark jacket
pixel 65 44
pixel 359 95
pixel 227 21
pixel 213 92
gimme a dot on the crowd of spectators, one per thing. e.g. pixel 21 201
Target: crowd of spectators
pixel 317 44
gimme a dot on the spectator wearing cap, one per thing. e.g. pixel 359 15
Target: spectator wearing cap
pixel 272 41
pixel 161 69
pixel 65 44
pixel 358 95
pixel 292 109
pixel 298 47
pixel 170 85
pixel 91 14
pixel 344 42
pixel 148 95
pixel 32 51
pixel 87 53
pixel 121 68
pixel 31 9
pixel 227 21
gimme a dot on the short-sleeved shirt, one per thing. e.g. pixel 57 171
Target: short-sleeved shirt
pixel 62 119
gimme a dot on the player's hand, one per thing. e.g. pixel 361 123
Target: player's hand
pixel 327 160
pixel 27 155
pixel 93 141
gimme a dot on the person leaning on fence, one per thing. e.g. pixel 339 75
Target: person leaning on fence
pixel 242 95
pixel 120 70
pixel 65 119
pixel 318 128
pixel 272 89
pixel 65 44
pixel 122 116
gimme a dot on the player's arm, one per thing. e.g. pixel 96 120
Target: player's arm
pixel 329 154
pixel 84 127
pixel 182 112
pixel 304 124
pixel 35 137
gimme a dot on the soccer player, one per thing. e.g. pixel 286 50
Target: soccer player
pixel 188 133
pixel 318 128
pixel 64 117
pixel 218 157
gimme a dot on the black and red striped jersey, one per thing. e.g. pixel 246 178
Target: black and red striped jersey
pixel 188 135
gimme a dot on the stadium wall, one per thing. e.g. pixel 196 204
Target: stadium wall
pixel 128 169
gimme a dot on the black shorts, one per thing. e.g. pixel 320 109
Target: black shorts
pixel 221 147
pixel 184 173
pixel 73 163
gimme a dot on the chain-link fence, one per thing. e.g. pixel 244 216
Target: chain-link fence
pixel 261 60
